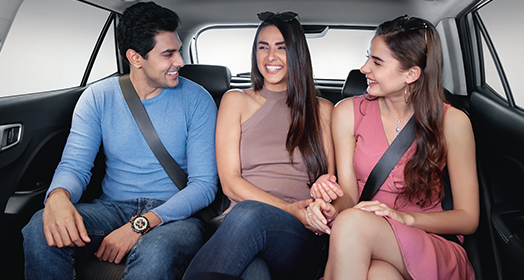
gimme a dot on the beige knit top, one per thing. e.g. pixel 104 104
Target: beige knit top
pixel 265 161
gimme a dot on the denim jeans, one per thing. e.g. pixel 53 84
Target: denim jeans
pixel 163 253
pixel 257 230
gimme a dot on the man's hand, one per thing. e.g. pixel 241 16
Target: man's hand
pixel 63 225
pixel 117 244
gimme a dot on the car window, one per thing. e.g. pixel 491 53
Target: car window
pixel 507 37
pixel 42 53
pixel 333 53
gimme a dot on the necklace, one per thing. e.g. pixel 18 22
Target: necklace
pixel 398 122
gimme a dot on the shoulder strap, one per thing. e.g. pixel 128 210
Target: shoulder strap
pixel 169 164
pixel 388 160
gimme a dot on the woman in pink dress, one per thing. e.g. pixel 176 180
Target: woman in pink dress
pixel 397 235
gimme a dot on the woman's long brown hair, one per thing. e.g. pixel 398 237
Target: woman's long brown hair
pixel 421 47
pixel 305 130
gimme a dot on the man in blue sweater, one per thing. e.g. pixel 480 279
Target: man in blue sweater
pixel 165 237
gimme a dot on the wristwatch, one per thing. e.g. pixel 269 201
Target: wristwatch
pixel 140 224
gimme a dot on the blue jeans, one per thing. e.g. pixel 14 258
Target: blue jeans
pixel 257 230
pixel 163 253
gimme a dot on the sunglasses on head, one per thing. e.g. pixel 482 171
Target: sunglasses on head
pixel 409 23
pixel 285 16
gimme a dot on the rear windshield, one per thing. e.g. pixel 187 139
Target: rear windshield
pixel 334 52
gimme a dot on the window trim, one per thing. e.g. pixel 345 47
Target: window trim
pixel 480 27
pixel 101 37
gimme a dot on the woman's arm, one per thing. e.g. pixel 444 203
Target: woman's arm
pixel 326 111
pixel 342 129
pixel 322 189
pixel 461 163
pixel 462 167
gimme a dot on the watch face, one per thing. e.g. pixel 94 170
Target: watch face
pixel 140 224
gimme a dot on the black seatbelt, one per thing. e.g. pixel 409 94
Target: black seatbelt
pixel 169 164
pixel 388 160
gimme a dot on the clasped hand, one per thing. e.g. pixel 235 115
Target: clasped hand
pixel 320 213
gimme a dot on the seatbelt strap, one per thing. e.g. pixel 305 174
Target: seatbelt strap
pixel 388 160
pixel 139 113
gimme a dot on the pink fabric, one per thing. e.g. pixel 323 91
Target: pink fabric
pixel 427 256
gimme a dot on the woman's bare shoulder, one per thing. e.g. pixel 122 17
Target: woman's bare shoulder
pixel 325 105
pixel 238 96
pixel 456 120
pixel 344 106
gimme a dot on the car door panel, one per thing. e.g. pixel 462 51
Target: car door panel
pixel 26 169
pixel 499 133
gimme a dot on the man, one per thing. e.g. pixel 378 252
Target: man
pixel 165 236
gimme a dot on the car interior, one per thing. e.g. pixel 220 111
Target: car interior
pixel 34 125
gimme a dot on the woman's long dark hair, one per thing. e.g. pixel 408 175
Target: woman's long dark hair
pixel 305 130
pixel 420 46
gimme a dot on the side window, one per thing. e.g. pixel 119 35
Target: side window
pixel 49 46
pixel 236 54
pixel 506 34
pixel 333 53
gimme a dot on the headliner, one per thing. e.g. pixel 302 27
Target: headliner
pixel 197 14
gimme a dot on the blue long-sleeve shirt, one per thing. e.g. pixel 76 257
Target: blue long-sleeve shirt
pixel 184 118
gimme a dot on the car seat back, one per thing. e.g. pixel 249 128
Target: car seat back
pixel 214 78
pixel 355 84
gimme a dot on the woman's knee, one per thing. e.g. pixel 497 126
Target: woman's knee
pixel 352 219
pixel 354 224
pixel 247 207
pixel 247 213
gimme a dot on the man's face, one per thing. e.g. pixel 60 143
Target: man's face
pixel 161 64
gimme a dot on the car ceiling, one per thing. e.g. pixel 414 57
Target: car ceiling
pixel 197 14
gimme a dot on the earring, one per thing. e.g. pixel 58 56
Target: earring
pixel 406 95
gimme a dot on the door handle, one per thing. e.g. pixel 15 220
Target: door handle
pixel 10 135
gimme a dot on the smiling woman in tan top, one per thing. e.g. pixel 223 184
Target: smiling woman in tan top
pixel 273 142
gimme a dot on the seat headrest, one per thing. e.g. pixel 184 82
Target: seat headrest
pixel 355 84
pixel 214 78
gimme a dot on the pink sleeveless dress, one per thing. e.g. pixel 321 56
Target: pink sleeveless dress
pixel 427 256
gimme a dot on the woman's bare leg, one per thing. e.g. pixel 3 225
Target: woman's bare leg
pixel 357 238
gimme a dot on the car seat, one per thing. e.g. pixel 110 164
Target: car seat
pixel 215 79
pixel 355 84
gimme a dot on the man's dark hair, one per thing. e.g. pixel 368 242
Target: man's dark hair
pixel 140 23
